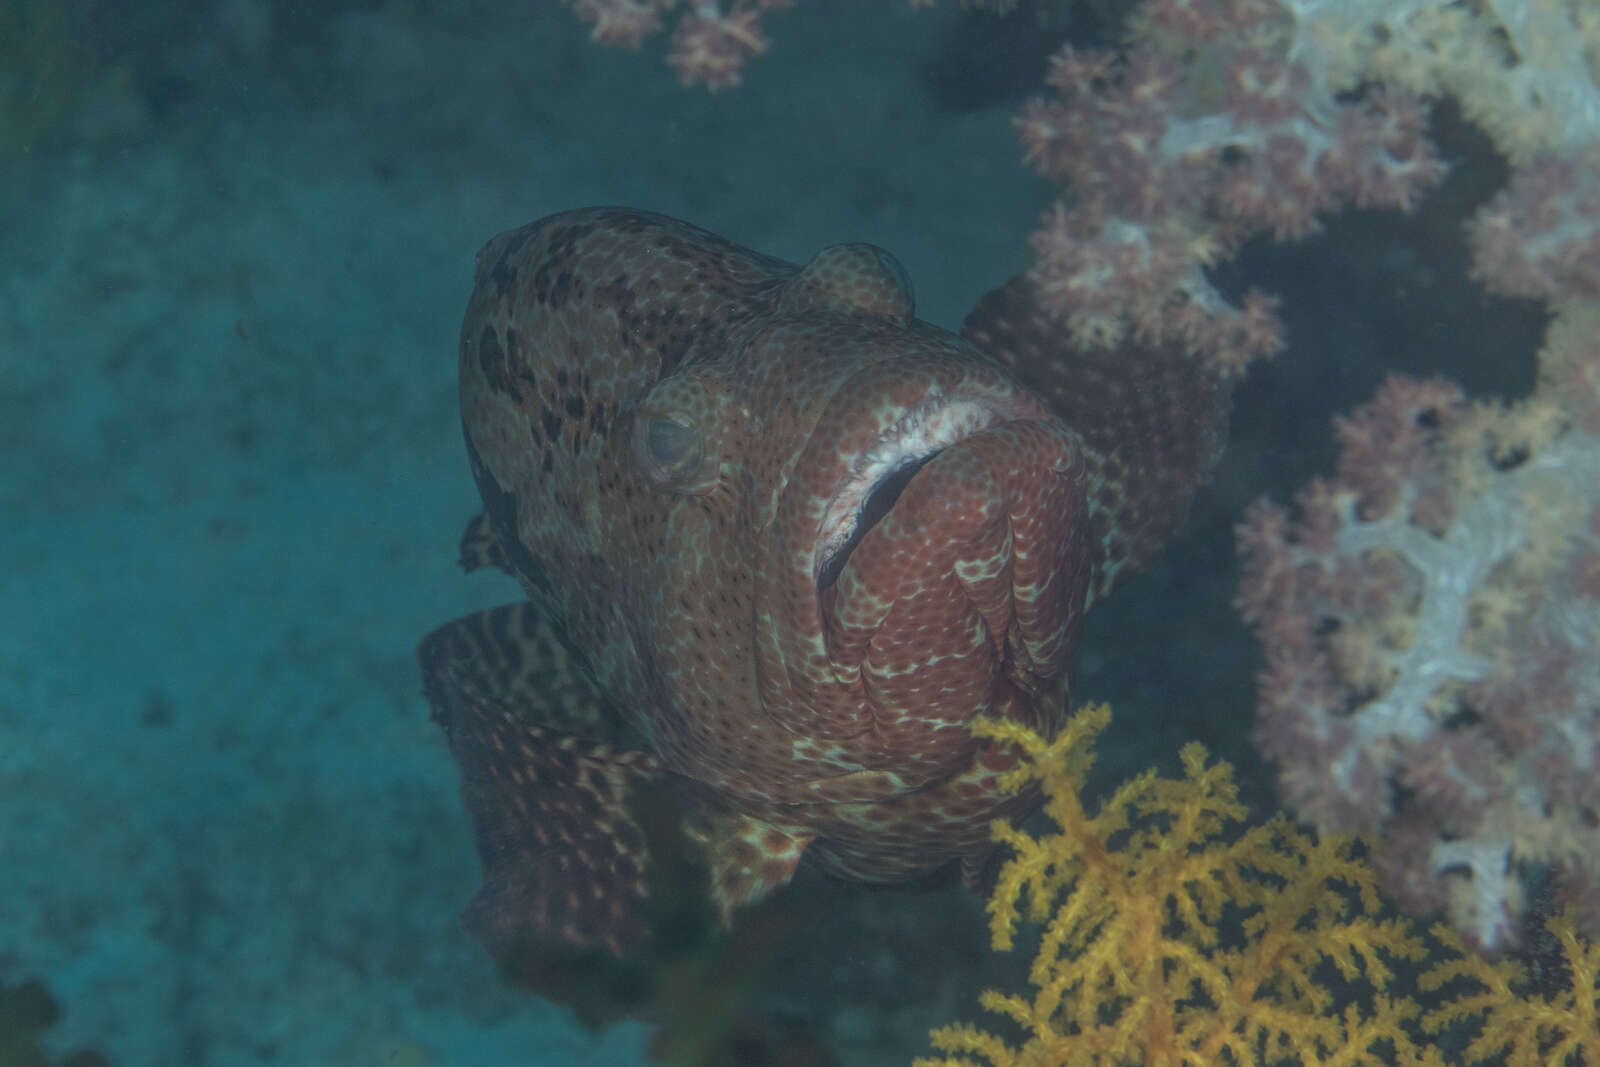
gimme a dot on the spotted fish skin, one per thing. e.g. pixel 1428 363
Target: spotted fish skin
pixel 780 542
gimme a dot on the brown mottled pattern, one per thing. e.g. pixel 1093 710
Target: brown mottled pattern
pixel 689 454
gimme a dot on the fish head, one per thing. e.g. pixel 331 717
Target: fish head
pixel 903 521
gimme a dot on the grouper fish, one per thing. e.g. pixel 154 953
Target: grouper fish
pixel 780 541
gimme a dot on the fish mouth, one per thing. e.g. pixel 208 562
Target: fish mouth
pixel 881 472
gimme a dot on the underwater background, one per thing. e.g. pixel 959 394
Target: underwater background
pixel 236 239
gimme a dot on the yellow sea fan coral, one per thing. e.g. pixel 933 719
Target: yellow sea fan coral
pixel 1171 938
pixel 1172 935
pixel 1513 1027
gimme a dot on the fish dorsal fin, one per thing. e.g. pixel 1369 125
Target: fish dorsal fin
pixel 853 277
pixel 1153 418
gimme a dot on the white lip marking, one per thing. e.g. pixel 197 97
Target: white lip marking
pixel 936 423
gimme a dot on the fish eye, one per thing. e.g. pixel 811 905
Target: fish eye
pixel 671 451
pixel 678 432
pixel 670 443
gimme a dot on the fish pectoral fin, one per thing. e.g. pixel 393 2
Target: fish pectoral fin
pixel 480 547
pixel 747 858
pixel 513 656
pixel 563 857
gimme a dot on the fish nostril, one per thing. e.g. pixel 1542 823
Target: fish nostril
pixel 880 499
